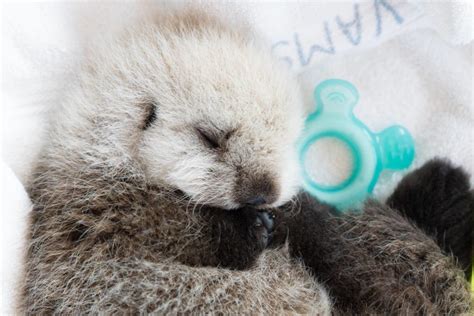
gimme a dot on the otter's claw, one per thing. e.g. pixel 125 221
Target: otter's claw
pixel 264 224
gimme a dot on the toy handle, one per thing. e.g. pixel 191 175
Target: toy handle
pixel 336 96
pixel 396 147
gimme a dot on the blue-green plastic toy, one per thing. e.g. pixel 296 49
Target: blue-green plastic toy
pixel 393 148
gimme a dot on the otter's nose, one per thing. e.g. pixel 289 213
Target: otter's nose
pixel 256 190
pixel 256 201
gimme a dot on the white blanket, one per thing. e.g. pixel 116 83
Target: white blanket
pixel 391 50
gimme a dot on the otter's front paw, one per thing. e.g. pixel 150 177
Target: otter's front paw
pixel 263 228
pixel 239 236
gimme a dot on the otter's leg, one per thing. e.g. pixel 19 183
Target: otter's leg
pixel 374 262
pixel 438 198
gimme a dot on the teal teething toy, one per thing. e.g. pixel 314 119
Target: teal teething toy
pixel 393 148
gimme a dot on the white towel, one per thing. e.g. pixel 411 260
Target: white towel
pixel 13 230
pixel 452 19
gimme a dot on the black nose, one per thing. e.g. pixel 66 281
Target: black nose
pixel 256 201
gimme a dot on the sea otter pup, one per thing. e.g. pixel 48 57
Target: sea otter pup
pixel 147 192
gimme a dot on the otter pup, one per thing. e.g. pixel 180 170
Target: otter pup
pixel 173 125
pixel 145 194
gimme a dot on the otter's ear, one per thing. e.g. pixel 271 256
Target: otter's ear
pixel 150 112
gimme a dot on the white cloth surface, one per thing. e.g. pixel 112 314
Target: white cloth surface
pixel 451 19
pixel 406 73
pixel 15 208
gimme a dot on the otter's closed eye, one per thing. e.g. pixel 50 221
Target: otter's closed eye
pixel 211 140
pixel 150 115
pixel 208 139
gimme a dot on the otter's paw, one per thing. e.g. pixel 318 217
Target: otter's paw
pixel 436 183
pixel 263 228
pixel 239 236
pixel 438 198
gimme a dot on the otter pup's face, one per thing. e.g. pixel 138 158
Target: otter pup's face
pixel 222 127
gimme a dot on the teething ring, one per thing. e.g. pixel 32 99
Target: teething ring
pixel 393 148
pixel 353 150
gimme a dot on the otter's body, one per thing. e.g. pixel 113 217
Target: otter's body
pixel 109 243
pixel 170 129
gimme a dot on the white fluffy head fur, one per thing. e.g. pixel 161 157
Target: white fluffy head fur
pixel 226 114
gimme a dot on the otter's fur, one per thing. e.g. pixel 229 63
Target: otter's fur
pixel 128 202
